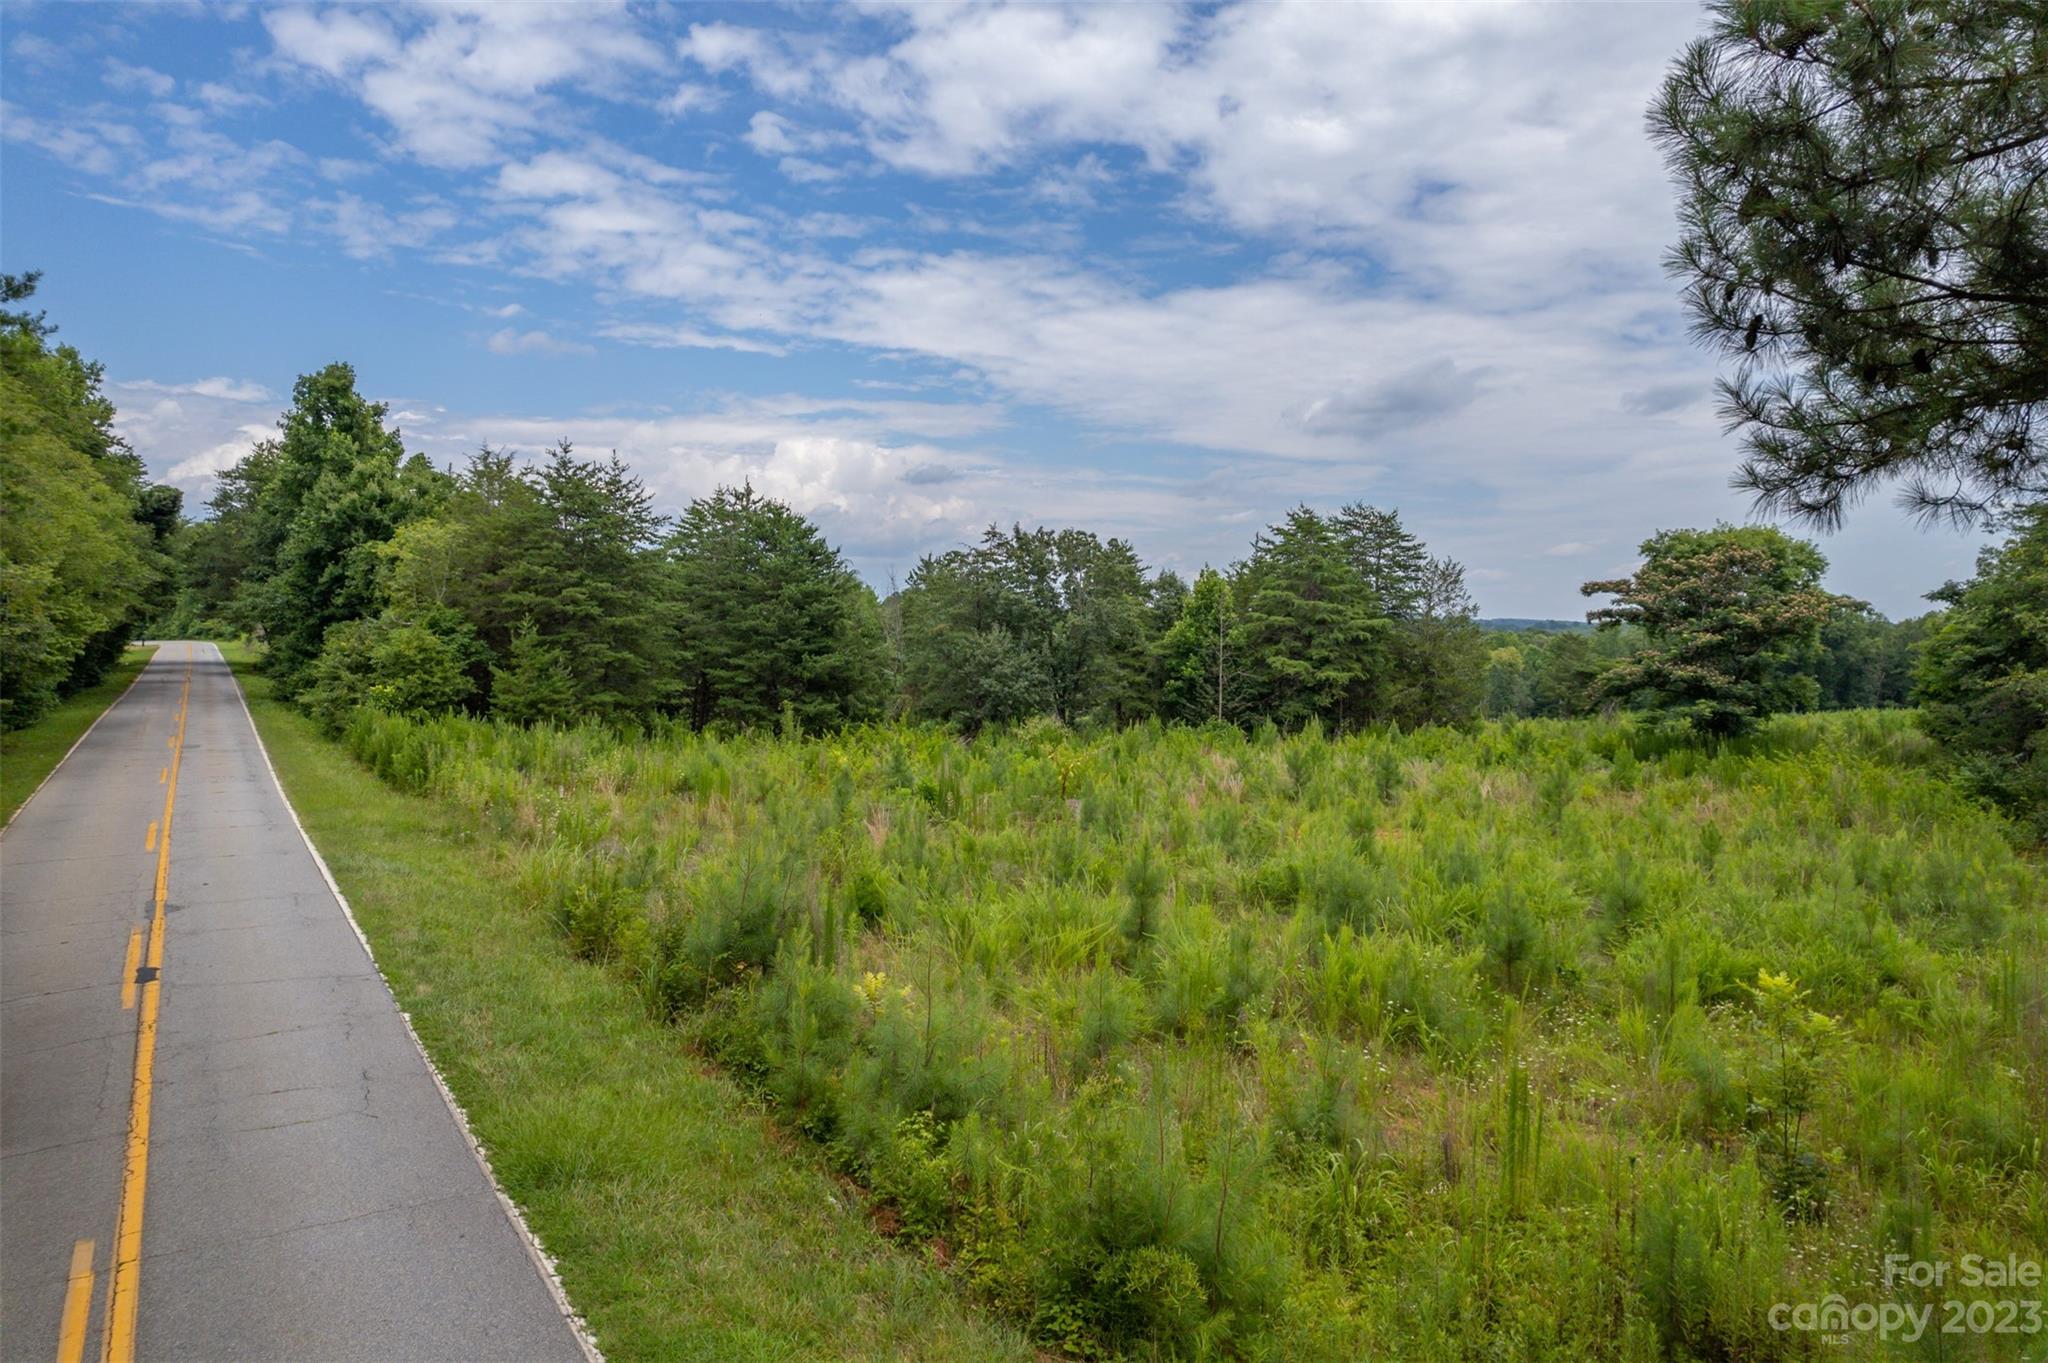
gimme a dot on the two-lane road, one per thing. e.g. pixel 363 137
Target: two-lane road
pixel 217 1138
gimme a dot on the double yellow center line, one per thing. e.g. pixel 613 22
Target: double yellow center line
pixel 117 1342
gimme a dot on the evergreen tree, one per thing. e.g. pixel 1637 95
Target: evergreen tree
pixel 1729 613
pixel 534 687
pixel 770 619
pixel 1983 677
pixel 1394 563
pixel 570 548
pixel 1863 230
pixel 1106 634
pixel 1314 638
pixel 1562 677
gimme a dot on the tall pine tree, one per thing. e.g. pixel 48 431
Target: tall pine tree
pixel 1314 636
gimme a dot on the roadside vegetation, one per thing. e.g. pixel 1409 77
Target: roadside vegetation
pixel 84 538
pixel 1550 1040
pixel 688 1224
pixel 27 755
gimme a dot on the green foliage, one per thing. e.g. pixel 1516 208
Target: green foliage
pixel 535 686
pixel 1192 1043
pixel 322 499
pixel 1393 563
pixel 81 535
pixel 1983 679
pixel 399 666
pixel 1314 634
pixel 1028 622
pixel 770 618
pixel 1861 228
pixel 1199 655
pixel 1729 613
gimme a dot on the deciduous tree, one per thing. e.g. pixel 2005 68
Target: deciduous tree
pixel 1727 612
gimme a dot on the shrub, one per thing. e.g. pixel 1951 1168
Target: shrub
pixel 399 666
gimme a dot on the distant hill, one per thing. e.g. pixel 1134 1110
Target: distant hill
pixel 1515 625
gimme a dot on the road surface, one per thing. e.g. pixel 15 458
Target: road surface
pixel 217 1139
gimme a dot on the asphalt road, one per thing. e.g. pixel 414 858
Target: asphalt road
pixel 273 1175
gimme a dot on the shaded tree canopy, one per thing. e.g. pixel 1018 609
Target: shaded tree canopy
pixel 1864 228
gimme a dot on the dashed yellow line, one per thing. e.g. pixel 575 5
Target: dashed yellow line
pixel 149 843
pixel 77 1304
pixel 125 1288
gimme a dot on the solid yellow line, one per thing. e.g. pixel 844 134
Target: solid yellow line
pixel 77 1303
pixel 128 968
pixel 149 843
pixel 125 1290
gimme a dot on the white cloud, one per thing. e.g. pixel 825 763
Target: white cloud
pixel 226 389
pixel 466 82
pixel 511 342
pixel 368 231
pixel 122 76
pixel 691 97
pixel 198 470
pixel 38 52
pixel 222 98
pixel 687 338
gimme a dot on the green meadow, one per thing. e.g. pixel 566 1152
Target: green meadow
pixel 1548 1040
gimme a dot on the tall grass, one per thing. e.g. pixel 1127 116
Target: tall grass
pixel 1553 1040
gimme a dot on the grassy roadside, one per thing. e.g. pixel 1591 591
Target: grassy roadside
pixel 685 1226
pixel 27 755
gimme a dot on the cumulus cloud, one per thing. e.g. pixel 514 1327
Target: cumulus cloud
pixel 465 83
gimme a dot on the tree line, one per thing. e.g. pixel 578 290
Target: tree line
pixel 84 535
pixel 554 592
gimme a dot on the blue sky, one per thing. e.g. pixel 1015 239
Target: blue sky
pixel 1159 272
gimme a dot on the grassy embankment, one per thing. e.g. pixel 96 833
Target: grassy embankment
pixel 687 1226
pixel 28 755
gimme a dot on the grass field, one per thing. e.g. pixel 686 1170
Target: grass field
pixel 28 755
pixel 687 1225
pixel 1548 1041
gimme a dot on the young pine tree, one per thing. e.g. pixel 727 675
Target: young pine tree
pixel 534 687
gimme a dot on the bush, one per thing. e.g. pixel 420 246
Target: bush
pixel 399 666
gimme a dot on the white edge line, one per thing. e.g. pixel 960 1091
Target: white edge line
pixel 542 1260
pixel 81 739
